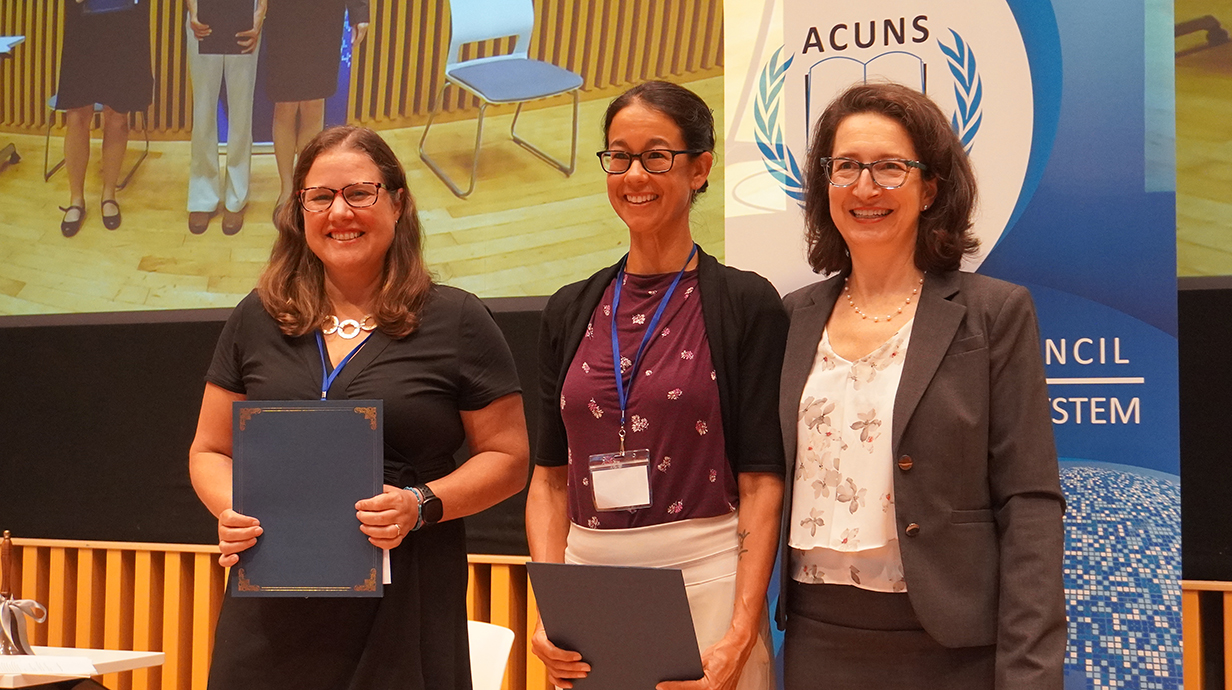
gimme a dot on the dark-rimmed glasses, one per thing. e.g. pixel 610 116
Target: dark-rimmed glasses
pixel 888 173
pixel 356 195
pixel 656 161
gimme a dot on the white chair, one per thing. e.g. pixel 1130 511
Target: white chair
pixel 500 79
pixel 490 646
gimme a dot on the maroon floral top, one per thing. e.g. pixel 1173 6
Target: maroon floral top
pixel 673 407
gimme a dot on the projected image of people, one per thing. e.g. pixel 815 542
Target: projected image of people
pixel 105 61
pixel 211 57
pixel 303 56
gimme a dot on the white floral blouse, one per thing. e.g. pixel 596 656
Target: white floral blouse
pixel 842 511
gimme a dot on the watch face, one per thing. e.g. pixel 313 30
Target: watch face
pixel 433 510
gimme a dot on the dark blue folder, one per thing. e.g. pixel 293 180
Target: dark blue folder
pixel 632 625
pixel 299 467
pixel 226 18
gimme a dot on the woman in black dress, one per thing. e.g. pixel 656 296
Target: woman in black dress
pixel 302 56
pixel 346 275
pixel 105 60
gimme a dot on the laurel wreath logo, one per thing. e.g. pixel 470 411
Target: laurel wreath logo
pixel 779 161
pixel 968 90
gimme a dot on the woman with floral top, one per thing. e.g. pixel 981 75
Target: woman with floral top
pixel 923 529
pixel 682 396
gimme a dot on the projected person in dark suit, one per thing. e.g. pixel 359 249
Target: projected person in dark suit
pixel 698 347
pixel 105 59
pixel 923 527
pixel 208 188
pixel 346 278
pixel 303 54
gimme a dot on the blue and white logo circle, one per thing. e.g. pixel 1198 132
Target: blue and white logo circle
pixel 972 62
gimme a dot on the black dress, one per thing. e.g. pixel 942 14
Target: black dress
pixel 106 59
pixel 303 46
pixel 415 636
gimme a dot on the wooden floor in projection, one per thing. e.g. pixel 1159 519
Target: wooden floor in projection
pixel 1204 147
pixel 526 230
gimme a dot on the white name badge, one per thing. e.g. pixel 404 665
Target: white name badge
pixel 621 481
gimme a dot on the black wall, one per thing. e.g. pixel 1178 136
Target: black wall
pixel 96 421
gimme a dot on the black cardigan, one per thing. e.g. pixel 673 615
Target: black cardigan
pixel 747 329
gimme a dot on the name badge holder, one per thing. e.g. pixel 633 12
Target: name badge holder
pixel 621 480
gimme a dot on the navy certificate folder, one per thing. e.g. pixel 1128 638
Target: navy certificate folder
pixel 226 18
pixel 632 625
pixel 299 467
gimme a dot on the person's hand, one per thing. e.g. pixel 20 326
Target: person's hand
pixel 388 516
pixel 199 30
pixel 562 664
pixel 721 667
pixel 248 39
pixel 236 532
pixel 358 32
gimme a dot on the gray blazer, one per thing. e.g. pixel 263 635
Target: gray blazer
pixel 976 485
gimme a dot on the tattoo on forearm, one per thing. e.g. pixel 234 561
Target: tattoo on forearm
pixel 740 550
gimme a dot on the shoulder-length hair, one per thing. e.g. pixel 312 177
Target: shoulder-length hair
pixel 944 233
pixel 292 286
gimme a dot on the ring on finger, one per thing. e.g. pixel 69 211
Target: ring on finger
pixel 399 527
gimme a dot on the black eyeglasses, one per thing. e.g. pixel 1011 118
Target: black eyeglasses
pixel 356 195
pixel 656 161
pixel 888 173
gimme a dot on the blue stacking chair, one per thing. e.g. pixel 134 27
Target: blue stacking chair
pixel 500 79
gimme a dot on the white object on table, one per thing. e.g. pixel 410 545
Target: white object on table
pixel 104 660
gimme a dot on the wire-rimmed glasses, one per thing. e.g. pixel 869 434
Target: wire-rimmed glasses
pixel 656 161
pixel 356 195
pixel 888 173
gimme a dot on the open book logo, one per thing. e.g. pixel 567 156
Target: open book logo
pixel 971 60
pixel 826 77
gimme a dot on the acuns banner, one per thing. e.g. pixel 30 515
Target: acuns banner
pixel 1065 109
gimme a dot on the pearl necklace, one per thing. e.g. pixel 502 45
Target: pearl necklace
pixel 876 319
pixel 349 328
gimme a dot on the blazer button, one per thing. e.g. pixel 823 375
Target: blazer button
pixel 912 529
pixel 905 463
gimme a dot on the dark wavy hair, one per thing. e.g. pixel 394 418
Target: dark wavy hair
pixel 685 108
pixel 292 286
pixel 944 234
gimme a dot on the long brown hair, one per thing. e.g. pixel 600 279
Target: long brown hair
pixel 944 234
pixel 292 286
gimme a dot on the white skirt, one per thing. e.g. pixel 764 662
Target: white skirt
pixel 705 551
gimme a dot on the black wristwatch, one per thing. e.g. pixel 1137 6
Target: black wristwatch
pixel 431 510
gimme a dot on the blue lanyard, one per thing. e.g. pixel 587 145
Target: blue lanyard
pixel 327 377
pixel 623 391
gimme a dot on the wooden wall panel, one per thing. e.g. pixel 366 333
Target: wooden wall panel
pixel 166 597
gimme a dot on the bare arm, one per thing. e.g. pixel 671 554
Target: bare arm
pixel 497 470
pixel 248 39
pixel 209 467
pixel 547 514
pixel 761 503
pixel 547 530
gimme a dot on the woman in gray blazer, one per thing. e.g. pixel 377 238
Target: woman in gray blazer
pixel 923 535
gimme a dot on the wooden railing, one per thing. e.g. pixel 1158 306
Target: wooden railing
pixel 1196 647
pixel 398 69
pixel 166 597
